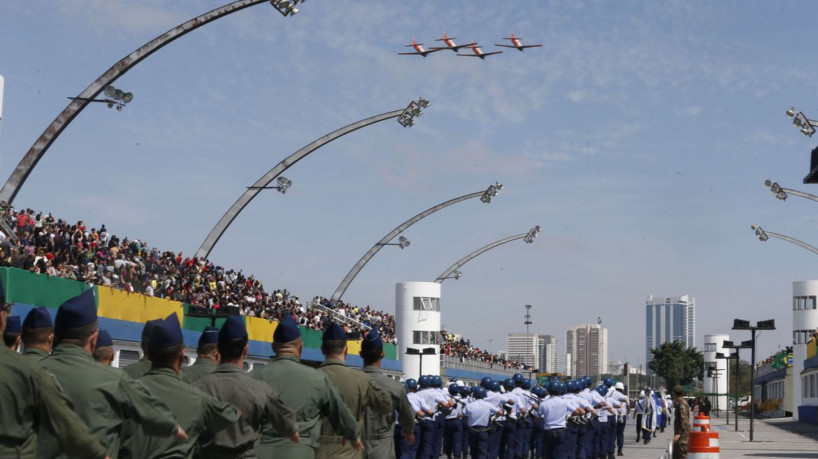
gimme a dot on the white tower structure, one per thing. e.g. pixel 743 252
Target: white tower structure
pixel 804 322
pixel 417 318
pixel 717 384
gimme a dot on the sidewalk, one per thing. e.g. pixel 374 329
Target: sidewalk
pixel 772 438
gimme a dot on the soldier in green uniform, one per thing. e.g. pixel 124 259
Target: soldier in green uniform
pixel 104 350
pixel 103 396
pixel 306 390
pixel 38 334
pixel 379 431
pixel 11 337
pixel 360 394
pixel 196 411
pixel 137 369
pixel 256 400
pixel 681 423
pixel 207 356
pixel 33 404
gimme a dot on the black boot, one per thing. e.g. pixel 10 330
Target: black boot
pixel 619 453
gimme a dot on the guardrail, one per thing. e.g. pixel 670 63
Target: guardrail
pixel 462 363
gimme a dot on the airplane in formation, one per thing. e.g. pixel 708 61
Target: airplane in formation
pixel 516 43
pixel 419 51
pixel 477 52
pixel 449 42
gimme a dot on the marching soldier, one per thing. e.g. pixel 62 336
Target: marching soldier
pixel 407 450
pixel 104 350
pixel 681 424
pixel 11 337
pixel 638 410
pixel 103 396
pixel 256 400
pixel 479 415
pixel 360 394
pixel 38 407
pixel 622 415
pixel 196 411
pixel 207 356
pixel 307 391
pixel 379 430
pixel 38 334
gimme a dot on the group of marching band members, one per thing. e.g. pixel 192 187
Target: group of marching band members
pixel 515 419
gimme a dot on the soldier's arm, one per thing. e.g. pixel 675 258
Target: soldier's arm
pixel 55 414
pixel 152 415
pixel 282 417
pixel 406 415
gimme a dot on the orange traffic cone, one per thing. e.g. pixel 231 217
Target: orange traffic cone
pixel 703 445
pixel 701 423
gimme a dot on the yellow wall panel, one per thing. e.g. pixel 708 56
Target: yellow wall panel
pixel 353 347
pixel 135 307
pixel 259 329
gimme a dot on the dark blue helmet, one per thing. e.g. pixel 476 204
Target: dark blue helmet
pixel 437 381
pixel 539 391
pixel 509 383
pixel 486 382
pixel 454 389
pixel 554 387
pixel 527 383
pixel 608 382
pixel 424 381
pixel 587 380
pixel 479 392
pixel 518 378
pixel 495 386
pixel 603 390
pixel 411 384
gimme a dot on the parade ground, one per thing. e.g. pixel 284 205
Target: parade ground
pixel 772 438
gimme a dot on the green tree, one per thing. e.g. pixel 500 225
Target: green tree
pixel 677 364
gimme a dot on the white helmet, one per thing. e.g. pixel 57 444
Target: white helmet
pixel 641 393
pixel 619 386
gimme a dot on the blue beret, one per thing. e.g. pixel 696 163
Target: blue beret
pixel 287 330
pixel 334 332
pixel 210 335
pixel 232 329
pixel 37 318
pixel 13 325
pixel 146 330
pixel 372 340
pixel 76 312
pixel 104 339
pixel 165 334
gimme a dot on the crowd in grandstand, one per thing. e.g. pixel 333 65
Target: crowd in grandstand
pixel 56 247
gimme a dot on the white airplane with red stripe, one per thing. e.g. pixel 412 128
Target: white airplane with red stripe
pixel 419 51
pixel 477 52
pixel 450 44
pixel 516 43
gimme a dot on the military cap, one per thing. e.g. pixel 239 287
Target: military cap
pixel 411 384
pixel 508 383
pixel 165 334
pixel 372 340
pixel 608 382
pixel 146 330
pixel 104 339
pixel 13 325
pixel 495 386
pixel 333 332
pixel 287 330
pixel 233 328
pixel 76 312
pixel 678 390
pixel 479 393
pixel 210 335
pixel 37 318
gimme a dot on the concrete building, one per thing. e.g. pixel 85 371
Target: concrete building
pixel 586 350
pixel 523 348
pixel 417 316
pixel 549 362
pixel 804 369
pixel 669 319
pixel 717 383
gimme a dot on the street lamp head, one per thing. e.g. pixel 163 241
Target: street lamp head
pixel 109 91
pixel 457 275
pixel 403 242
pixel 491 192
pixel 739 324
pixel 766 324
pixel 532 233
pixel 423 103
pixel 762 235
pixel 127 97
pixel 791 112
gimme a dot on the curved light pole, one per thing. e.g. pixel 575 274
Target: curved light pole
pixel 765 236
pixel 528 237
pixel 485 196
pixel 782 193
pixel 234 210
pixel 32 157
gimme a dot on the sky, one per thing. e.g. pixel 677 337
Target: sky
pixel 638 137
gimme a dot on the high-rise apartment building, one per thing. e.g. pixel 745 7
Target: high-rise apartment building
pixel 523 348
pixel 586 350
pixel 549 362
pixel 667 320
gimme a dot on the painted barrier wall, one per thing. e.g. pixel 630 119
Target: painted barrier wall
pixel 124 314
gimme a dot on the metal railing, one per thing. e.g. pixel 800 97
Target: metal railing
pixel 466 364
pixel 337 316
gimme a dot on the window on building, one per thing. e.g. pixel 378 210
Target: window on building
pixel 426 304
pixel 424 337
pixel 810 302
pixel 710 347
pixel 127 357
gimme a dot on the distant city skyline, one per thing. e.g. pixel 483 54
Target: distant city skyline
pixel 586 350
